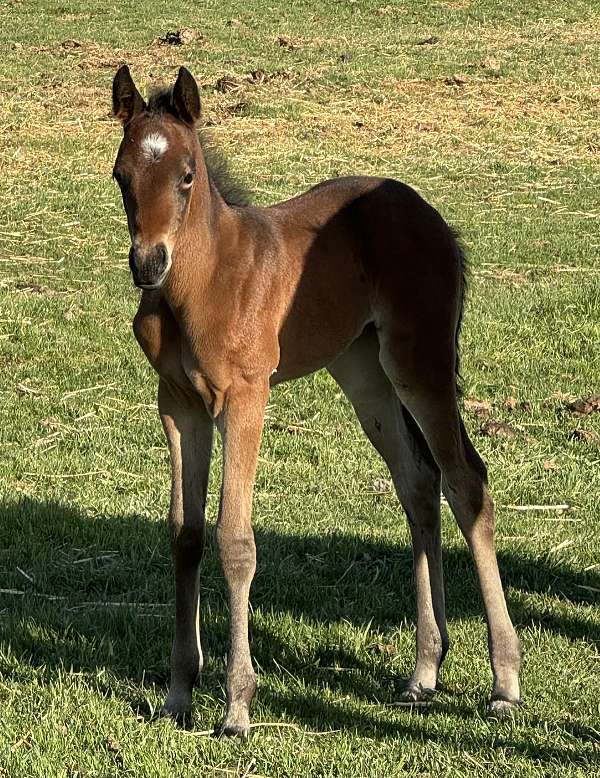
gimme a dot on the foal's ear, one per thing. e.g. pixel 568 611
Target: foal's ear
pixel 186 99
pixel 127 101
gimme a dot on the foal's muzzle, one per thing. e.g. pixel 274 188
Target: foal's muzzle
pixel 149 268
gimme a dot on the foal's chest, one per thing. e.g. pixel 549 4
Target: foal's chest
pixel 168 351
pixel 209 384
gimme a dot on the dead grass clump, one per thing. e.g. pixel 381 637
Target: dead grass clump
pixel 504 275
pixel 180 37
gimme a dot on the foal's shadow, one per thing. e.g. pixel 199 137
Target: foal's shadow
pixel 92 592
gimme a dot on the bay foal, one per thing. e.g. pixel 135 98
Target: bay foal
pixel 358 275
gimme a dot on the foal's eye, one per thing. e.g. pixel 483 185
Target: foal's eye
pixel 186 181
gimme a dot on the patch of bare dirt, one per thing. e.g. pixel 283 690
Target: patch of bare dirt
pixel 457 79
pixel 498 429
pixel 583 406
pixel 381 487
pixel 229 83
pixel 71 44
pixel 235 83
pixel 33 288
pixel 585 436
pixel 385 648
pixel 286 43
pixel 504 275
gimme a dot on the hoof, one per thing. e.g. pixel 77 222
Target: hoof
pixel 234 725
pixel 231 729
pixel 182 716
pixel 416 694
pixel 501 709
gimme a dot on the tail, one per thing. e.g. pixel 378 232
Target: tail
pixel 463 267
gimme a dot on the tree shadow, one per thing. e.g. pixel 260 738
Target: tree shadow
pixel 96 592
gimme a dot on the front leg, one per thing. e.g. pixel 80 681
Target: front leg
pixel 189 431
pixel 240 423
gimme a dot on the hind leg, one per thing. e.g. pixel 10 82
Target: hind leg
pixel 416 478
pixel 423 375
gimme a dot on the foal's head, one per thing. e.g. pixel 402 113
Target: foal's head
pixel 158 165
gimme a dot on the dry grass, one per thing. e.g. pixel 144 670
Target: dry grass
pixel 550 120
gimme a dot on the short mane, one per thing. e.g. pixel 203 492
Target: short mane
pixel 160 102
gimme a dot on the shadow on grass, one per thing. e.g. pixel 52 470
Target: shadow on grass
pixel 97 593
pixel 384 724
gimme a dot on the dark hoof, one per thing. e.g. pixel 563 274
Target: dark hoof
pixel 182 718
pixel 231 729
pixel 416 695
pixel 502 709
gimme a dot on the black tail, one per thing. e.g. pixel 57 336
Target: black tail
pixel 464 272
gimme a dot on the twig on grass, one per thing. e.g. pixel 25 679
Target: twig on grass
pixel 104 473
pixel 476 762
pixel 24 574
pixel 20 593
pixel 563 544
pixel 409 704
pixel 75 392
pixel 119 604
pixel 588 588
pixel 22 741
pixel 250 766
pixel 264 725
pixel 524 508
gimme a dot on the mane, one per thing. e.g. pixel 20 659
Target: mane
pixel 160 102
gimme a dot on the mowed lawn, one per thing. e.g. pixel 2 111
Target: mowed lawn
pixel 492 111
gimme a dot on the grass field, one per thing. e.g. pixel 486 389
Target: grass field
pixel 491 110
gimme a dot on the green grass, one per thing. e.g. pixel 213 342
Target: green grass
pixel 510 156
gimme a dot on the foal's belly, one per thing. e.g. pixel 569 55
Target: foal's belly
pixel 305 356
pixel 321 324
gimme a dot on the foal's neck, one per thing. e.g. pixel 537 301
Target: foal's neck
pixel 205 244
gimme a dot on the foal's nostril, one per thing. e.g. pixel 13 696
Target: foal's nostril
pixel 132 260
pixel 161 257
pixel 148 267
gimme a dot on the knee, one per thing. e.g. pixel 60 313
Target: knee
pixel 237 553
pixel 466 485
pixel 485 514
pixel 423 515
pixel 187 543
pixel 479 523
